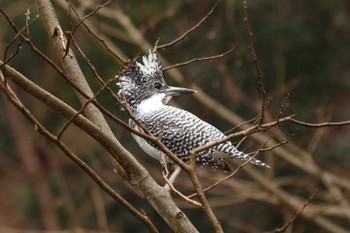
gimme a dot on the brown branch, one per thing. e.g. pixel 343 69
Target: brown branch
pixel 92 99
pixel 211 103
pixel 277 145
pixel 72 69
pixel 99 38
pixel 200 193
pixel 187 199
pixel 240 125
pixel 169 12
pixel 18 35
pixel 7 60
pixel 104 85
pixel 234 172
pixel 283 106
pixel 42 130
pixel 137 175
pixel 227 114
pixel 256 62
pixel 319 125
pixel 56 33
pixel 81 21
pixel 267 126
pixel 202 58
pixel 241 141
pixel 291 200
pixel 297 214
pixel 188 31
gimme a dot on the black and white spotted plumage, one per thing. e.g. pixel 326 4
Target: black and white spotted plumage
pixel 146 94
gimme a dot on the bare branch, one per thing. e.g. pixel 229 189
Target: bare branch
pixel 267 187
pixel 319 125
pixel 257 66
pixel 209 58
pixel 277 145
pixel 234 172
pixel 205 204
pixel 89 15
pixel 240 125
pixel 188 31
pixel 137 175
pixel 116 54
pixel 187 199
pixel 267 126
pixel 42 130
pixel 290 222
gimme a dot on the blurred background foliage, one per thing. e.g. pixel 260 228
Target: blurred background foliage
pixel 303 49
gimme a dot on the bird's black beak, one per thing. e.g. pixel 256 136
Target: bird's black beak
pixel 176 91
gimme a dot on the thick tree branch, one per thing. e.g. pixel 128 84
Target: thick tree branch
pixel 104 186
pixel 136 175
pixel 217 107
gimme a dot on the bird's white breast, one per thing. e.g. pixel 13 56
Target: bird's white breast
pixel 153 103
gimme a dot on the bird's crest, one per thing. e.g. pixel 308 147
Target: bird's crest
pixel 151 64
pixel 133 80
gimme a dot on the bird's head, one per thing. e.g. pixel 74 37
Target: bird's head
pixel 143 81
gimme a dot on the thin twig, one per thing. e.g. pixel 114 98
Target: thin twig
pixel 42 55
pixel 42 130
pixel 104 85
pixel 82 108
pixel 267 126
pixel 188 31
pixel 91 32
pixel 234 172
pixel 89 15
pixel 187 199
pixel 81 21
pixel 283 106
pixel 199 190
pixel 202 58
pixel 136 175
pixel 165 174
pixel 240 125
pixel 290 222
pixel 319 125
pixel 277 145
pixel 257 66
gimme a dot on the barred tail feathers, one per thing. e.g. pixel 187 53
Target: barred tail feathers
pixel 245 157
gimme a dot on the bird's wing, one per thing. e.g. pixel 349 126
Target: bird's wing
pixel 181 132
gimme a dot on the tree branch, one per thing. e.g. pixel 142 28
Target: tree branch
pixel 135 174
pixel 42 130
pixel 264 101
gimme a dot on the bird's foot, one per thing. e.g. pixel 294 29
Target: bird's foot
pixel 170 181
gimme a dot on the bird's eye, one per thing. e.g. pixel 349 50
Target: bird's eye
pixel 157 85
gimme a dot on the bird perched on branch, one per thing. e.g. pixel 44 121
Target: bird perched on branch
pixel 146 94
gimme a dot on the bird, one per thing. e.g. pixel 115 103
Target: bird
pixel 143 90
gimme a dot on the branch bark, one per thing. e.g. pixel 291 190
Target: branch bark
pixel 96 126
pixel 225 113
pixel 137 176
